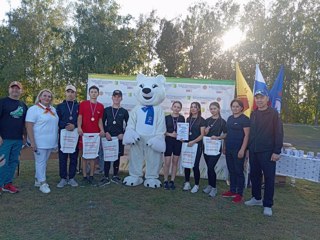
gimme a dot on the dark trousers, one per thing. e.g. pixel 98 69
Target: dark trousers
pixel 196 170
pixel 235 168
pixel 211 162
pixel 107 166
pixel 261 163
pixel 63 162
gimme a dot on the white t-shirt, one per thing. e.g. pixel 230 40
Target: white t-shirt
pixel 45 127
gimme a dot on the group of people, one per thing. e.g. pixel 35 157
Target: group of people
pixel 262 135
pixel 260 138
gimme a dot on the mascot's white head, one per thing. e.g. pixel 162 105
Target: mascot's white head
pixel 150 91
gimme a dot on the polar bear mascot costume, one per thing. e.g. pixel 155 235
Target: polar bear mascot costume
pixel 145 132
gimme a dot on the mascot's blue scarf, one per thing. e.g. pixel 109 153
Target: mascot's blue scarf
pixel 150 114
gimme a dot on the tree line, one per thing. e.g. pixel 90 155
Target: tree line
pixel 49 43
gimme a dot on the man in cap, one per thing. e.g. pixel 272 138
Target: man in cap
pixel 265 143
pixel 12 131
pixel 114 120
pixel 68 115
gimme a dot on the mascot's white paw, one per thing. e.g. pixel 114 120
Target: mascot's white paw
pixel 130 137
pixel 157 143
pixel 152 183
pixel 132 181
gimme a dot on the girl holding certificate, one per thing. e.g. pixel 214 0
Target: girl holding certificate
pixel 196 133
pixel 215 125
pixel 173 145
pixel 238 127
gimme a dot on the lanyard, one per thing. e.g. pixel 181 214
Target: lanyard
pixel 70 110
pixel 174 122
pixel 191 124
pixel 93 110
pixel 114 115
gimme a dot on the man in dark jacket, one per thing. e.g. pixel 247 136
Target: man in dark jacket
pixel 265 143
pixel 68 115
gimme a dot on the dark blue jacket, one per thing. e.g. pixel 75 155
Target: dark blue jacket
pixel 64 113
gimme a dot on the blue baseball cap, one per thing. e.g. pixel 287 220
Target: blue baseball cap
pixel 262 92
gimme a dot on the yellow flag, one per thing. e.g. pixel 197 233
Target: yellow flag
pixel 244 92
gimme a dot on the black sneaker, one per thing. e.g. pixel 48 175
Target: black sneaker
pixel 166 185
pixel 171 185
pixel 84 181
pixel 91 180
pixel 104 181
pixel 116 179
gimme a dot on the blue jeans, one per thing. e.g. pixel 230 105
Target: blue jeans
pixel 11 151
pixel 235 168
pixel 261 163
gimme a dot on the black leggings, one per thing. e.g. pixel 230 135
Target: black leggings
pixel 107 166
pixel 196 170
pixel 211 162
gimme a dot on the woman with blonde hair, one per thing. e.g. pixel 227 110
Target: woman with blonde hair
pixel 42 129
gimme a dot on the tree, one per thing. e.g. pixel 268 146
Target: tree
pixel 169 48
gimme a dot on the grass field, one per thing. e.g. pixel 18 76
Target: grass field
pixel 119 212
pixel 303 137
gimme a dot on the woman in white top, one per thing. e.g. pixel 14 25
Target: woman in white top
pixel 42 129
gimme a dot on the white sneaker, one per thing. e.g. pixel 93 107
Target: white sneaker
pixel 267 211
pixel 213 192
pixel 36 183
pixel 195 189
pixel 45 188
pixel 253 202
pixel 62 183
pixel 186 186
pixel 73 183
pixel 207 189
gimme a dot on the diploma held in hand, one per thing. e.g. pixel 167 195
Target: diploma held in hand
pixel 183 131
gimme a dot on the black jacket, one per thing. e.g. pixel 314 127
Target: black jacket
pixel 266 131
pixel 64 114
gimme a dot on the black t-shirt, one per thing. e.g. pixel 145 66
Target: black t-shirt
pixel 115 120
pixel 12 118
pixel 195 125
pixel 171 122
pixel 217 126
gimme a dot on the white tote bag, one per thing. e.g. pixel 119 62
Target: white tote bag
pixel 188 155
pixel 91 144
pixel 110 149
pixel 211 147
pixel 68 140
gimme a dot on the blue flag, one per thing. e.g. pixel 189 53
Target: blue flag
pixel 276 91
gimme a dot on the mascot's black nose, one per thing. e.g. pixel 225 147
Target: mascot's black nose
pixel 146 90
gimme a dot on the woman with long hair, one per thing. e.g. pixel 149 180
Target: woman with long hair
pixel 215 126
pixel 196 133
pixel 173 145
